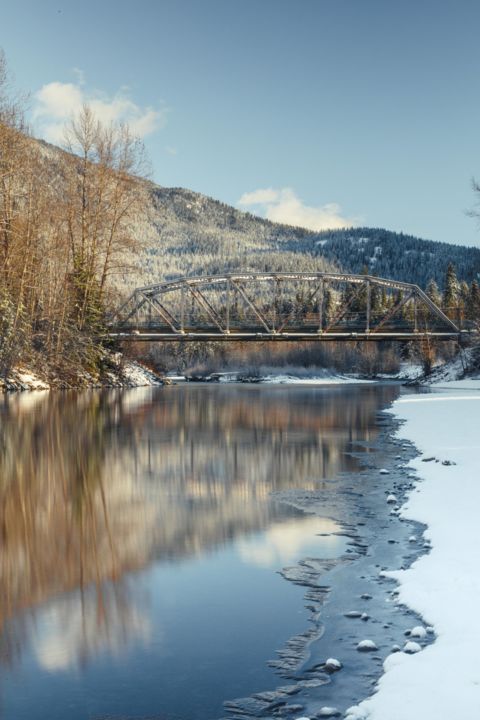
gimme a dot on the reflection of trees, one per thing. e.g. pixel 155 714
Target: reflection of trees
pixel 56 533
pixel 93 485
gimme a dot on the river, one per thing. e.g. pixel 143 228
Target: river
pixel 143 534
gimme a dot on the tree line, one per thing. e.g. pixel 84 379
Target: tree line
pixel 62 237
pixel 459 300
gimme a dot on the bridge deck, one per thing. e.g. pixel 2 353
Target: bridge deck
pixel 146 336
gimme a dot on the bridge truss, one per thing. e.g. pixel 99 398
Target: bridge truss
pixel 280 306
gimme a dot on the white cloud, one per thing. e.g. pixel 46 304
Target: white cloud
pixel 266 196
pixel 284 206
pixel 56 102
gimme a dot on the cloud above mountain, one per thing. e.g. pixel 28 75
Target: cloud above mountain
pixel 284 206
pixel 56 102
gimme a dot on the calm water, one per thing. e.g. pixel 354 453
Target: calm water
pixel 140 544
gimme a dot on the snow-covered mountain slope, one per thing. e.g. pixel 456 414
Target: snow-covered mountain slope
pixel 187 233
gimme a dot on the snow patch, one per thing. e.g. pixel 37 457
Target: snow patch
pixel 137 375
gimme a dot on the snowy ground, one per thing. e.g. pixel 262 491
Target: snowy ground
pixel 301 377
pixel 321 380
pixel 443 680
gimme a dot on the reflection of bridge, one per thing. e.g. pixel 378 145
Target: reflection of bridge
pixel 281 306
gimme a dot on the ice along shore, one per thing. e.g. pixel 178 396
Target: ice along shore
pixel 443 586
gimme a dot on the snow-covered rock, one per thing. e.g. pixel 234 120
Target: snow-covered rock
pixel 411 647
pixel 332 665
pixel 384 471
pixel 391 499
pixel 366 646
pixel 328 712
pixel 418 632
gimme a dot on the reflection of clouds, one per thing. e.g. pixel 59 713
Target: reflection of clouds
pixel 68 632
pixel 286 542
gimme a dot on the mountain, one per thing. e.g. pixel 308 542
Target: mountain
pixel 395 255
pixel 186 233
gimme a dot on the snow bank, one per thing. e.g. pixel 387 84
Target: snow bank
pixel 463 364
pixel 443 680
pixel 407 371
pixel 136 375
pixel 22 379
pixel 322 380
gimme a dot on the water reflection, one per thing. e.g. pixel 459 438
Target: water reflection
pixel 284 543
pixel 96 485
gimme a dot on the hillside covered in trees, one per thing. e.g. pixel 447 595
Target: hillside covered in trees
pixel 187 233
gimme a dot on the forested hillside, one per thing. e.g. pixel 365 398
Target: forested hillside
pixel 395 255
pixel 186 233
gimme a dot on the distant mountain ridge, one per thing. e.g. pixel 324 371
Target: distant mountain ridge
pixel 396 255
pixel 190 233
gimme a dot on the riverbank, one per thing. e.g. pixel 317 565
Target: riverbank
pixel 119 372
pixel 444 585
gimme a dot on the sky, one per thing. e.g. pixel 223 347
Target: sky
pixel 322 113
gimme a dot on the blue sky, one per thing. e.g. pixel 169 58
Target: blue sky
pixel 319 112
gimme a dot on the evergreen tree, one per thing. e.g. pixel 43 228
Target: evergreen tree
pixel 473 308
pixel 434 293
pixel 451 292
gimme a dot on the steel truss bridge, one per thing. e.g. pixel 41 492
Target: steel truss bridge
pixel 288 306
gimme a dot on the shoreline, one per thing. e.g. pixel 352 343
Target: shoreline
pixel 379 540
pixel 442 585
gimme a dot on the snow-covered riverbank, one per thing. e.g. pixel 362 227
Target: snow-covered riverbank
pixel 443 680
pixel 122 373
